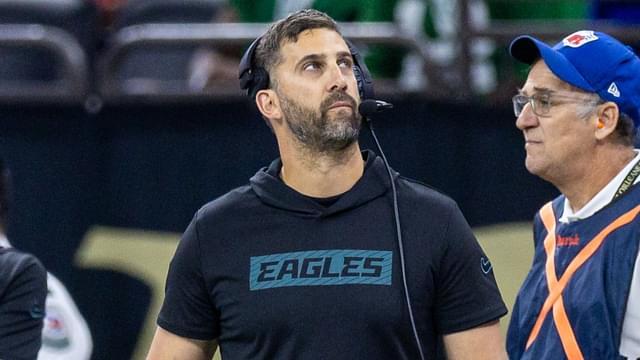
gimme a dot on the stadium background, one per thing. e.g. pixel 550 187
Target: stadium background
pixel 105 180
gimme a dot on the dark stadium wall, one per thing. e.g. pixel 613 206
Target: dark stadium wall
pixel 148 168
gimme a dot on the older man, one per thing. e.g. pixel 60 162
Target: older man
pixel 578 111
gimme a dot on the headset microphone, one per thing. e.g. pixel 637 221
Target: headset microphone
pixel 370 107
pixel 367 108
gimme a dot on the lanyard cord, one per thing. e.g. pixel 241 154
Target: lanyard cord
pixel 628 180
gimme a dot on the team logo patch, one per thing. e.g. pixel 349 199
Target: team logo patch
pixel 579 38
pixel 54 333
pixel 320 268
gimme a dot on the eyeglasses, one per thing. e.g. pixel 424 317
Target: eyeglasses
pixel 541 103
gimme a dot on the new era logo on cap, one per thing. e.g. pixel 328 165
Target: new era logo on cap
pixel 579 38
pixel 613 90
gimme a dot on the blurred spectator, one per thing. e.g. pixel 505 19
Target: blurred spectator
pixel 24 285
pixel 216 68
pixel 23 289
pixel 65 334
pixel 438 22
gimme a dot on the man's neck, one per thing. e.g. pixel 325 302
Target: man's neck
pixel 322 175
pixel 594 176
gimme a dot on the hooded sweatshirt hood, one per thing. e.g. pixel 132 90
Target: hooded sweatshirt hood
pixel 272 191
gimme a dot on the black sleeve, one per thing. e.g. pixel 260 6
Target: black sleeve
pixel 23 290
pixel 467 295
pixel 187 310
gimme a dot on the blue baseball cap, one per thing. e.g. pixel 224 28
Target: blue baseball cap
pixel 592 61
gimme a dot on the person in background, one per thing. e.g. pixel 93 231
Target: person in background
pixel 436 23
pixel 23 290
pixel 432 22
pixel 578 111
pixel 65 334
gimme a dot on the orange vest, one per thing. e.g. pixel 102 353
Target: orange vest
pixel 537 305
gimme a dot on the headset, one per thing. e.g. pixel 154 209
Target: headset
pixel 255 78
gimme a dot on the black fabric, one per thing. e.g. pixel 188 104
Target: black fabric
pixel 23 289
pixel 209 290
pixel 326 202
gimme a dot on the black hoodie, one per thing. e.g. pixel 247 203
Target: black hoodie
pixel 272 191
pixel 273 274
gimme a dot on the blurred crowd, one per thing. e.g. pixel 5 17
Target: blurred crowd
pixel 213 69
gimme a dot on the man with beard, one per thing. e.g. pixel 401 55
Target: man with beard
pixel 303 262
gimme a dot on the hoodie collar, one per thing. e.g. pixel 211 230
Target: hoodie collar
pixel 272 191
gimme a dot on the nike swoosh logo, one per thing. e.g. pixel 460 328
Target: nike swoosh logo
pixel 485 265
pixel 37 312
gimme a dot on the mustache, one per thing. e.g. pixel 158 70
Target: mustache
pixel 335 97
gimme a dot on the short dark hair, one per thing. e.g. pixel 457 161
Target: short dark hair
pixel 267 53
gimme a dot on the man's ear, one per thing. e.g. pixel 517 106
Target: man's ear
pixel 269 104
pixel 608 116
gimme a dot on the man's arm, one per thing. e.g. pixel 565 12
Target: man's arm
pixel 482 342
pixel 168 346
pixel 23 289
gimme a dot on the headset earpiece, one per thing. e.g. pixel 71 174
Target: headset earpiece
pixel 252 78
pixel 361 72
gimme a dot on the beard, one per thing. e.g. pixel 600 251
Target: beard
pixel 321 132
